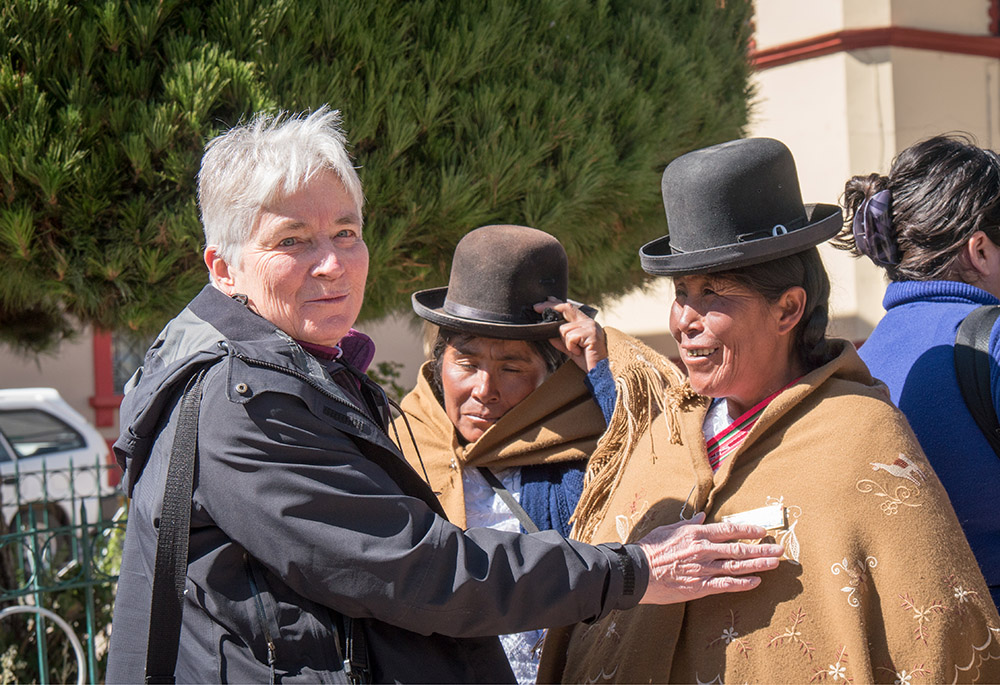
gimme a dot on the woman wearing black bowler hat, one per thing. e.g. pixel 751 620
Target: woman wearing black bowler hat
pixel 785 427
pixel 503 420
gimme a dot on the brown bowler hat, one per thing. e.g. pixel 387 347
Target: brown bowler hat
pixel 497 276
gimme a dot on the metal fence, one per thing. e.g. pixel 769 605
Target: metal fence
pixel 60 549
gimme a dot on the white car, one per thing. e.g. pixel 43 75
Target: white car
pixel 52 461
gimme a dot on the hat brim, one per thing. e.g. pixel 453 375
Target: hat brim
pixel 429 305
pixel 823 222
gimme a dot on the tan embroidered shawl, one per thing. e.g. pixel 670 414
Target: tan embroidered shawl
pixel 878 584
pixel 559 421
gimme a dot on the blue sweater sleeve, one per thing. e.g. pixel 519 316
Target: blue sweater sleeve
pixel 601 384
pixel 549 493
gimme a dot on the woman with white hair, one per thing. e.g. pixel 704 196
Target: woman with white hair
pixel 275 532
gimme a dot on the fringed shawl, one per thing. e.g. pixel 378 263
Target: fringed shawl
pixel 648 386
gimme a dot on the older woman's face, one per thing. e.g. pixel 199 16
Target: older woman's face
pixel 733 342
pixel 484 378
pixel 305 265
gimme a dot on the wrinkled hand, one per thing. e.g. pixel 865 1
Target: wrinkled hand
pixel 688 560
pixel 581 338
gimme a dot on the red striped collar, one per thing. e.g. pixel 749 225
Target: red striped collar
pixel 725 442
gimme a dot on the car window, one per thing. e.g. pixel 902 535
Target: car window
pixel 32 432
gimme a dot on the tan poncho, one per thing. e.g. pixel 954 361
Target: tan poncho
pixel 559 421
pixel 878 584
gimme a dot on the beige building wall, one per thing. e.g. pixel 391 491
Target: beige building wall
pixel 398 338
pixel 849 113
pixel 841 114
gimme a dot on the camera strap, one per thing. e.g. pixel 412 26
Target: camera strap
pixel 508 499
pixel 170 572
pixel 972 367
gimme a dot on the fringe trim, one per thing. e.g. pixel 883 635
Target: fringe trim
pixel 648 386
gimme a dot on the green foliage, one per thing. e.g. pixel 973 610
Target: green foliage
pixel 559 114
pixel 387 375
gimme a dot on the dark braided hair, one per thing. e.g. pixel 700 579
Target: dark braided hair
pixel 771 279
pixel 943 189
pixel 552 357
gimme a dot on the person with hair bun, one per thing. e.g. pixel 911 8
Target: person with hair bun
pixel 933 225
pixel 780 425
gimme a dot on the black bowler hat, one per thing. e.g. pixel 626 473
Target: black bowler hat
pixel 733 205
pixel 497 276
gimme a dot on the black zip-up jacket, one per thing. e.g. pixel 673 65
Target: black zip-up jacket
pixel 304 512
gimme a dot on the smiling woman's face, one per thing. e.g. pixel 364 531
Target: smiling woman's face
pixel 733 342
pixel 305 265
pixel 484 378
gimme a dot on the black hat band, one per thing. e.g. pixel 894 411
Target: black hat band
pixel 476 314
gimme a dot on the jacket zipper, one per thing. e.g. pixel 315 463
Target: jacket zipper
pixel 272 650
pixel 326 393
pixel 296 374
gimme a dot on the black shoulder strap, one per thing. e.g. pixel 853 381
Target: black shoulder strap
pixel 167 604
pixel 972 366
pixel 508 499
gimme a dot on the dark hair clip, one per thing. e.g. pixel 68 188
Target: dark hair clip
pixel 873 232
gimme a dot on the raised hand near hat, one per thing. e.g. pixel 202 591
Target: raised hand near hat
pixel 581 338
pixel 688 561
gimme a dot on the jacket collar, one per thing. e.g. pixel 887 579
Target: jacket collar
pixel 213 326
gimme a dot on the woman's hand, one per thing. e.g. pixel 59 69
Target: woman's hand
pixel 581 338
pixel 688 561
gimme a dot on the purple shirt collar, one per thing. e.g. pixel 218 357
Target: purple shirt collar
pixel 356 348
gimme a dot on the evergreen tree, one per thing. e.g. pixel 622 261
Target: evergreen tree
pixel 558 114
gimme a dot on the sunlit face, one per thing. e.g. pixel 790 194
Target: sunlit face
pixel 305 265
pixel 484 378
pixel 730 340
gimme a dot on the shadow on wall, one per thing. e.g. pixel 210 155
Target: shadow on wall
pixel 854 328
pixel 398 338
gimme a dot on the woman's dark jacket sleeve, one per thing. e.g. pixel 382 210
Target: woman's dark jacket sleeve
pixel 304 513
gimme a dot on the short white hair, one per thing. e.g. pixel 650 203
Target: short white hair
pixel 253 165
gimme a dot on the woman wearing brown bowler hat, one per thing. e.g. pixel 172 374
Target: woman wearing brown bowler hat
pixel 784 427
pixel 503 421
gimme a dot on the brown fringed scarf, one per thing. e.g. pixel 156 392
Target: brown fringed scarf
pixel 648 385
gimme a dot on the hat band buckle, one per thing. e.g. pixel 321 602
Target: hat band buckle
pixel 776 231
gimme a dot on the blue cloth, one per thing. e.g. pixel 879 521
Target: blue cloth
pixel 602 386
pixel 549 492
pixel 912 351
